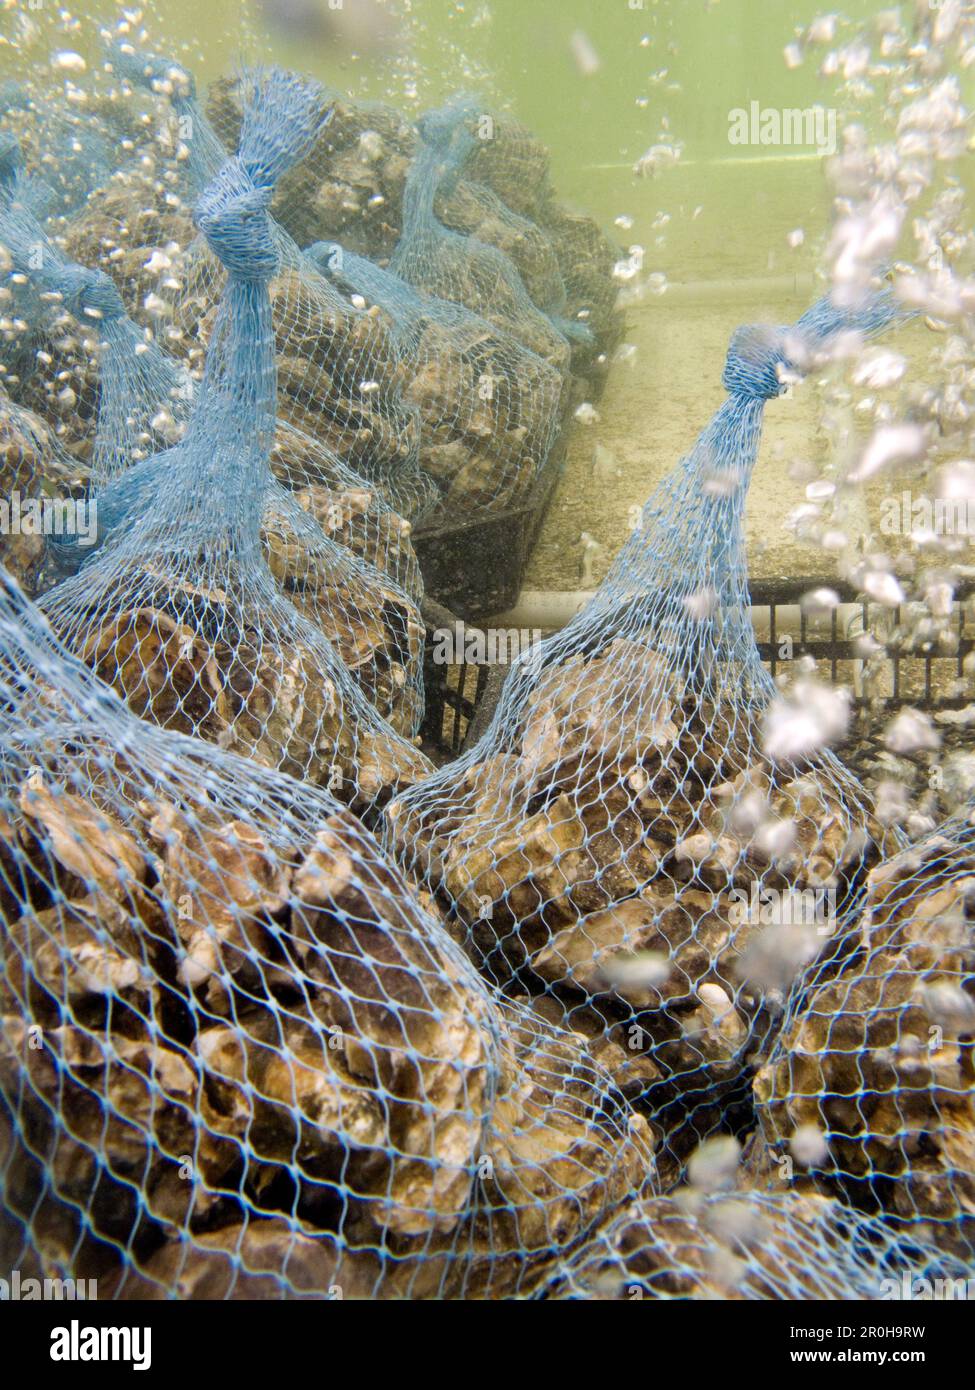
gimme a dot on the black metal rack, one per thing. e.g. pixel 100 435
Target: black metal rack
pixel 477 567
pixel 460 699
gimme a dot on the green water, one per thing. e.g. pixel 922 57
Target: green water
pixel 677 66
pixel 665 70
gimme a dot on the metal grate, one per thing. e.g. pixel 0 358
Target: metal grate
pixel 460 699
pixel 923 676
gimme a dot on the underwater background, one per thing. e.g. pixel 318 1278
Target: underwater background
pixel 725 233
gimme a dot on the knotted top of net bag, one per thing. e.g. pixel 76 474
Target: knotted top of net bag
pixel 498 190
pixel 455 266
pixel 505 197
pixel 340 383
pixel 142 401
pixel 140 231
pixel 178 609
pixel 341 502
pixel 490 408
pixel 875 1056
pixel 613 840
pixel 350 189
pixel 238 1058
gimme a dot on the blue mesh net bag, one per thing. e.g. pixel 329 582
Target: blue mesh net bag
pixel 143 400
pixel 140 231
pixel 341 383
pixel 751 1245
pixel 78 128
pixel 643 793
pixel 874 1061
pixel 505 198
pixel 476 211
pixel 347 506
pixel 136 235
pixel 350 189
pixel 51 349
pixel 177 608
pixel 237 1057
pixel 457 267
pixel 72 147
pixel 339 378
pixel 349 186
pixel 486 150
pixel 125 398
pixel 490 409
pixel 466 401
pixel 198 148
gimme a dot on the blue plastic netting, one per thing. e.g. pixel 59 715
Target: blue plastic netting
pixel 457 267
pixel 247 1049
pixel 612 842
pixel 490 409
pixel 238 1059
pixel 753 1245
pixel 350 189
pixel 339 377
pixel 199 148
pixel 138 252
pixel 143 403
pixel 446 414
pixel 177 608
pixel 874 1060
